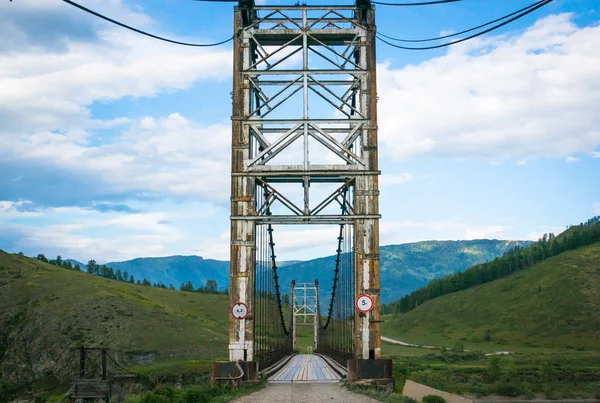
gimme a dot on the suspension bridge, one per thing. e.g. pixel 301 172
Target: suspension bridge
pixel 304 152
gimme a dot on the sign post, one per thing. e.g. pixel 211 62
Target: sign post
pixel 364 303
pixel 239 310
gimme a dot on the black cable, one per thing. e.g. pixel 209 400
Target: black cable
pixel 423 3
pixel 465 31
pixel 87 10
pixel 468 37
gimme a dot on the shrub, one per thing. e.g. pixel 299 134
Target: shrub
pixel 494 368
pixel 430 378
pixel 509 388
pixel 481 389
pixel 594 388
pixel 147 398
pixel 458 347
pixel 200 395
pixel 433 399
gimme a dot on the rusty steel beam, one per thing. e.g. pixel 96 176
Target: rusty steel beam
pixel 366 202
pixel 293 48
pixel 243 197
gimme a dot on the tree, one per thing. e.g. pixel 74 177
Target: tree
pixel 77 267
pixel 125 276
pixel 92 267
pixel 189 286
pixel 494 367
pixel 171 287
pixel 59 261
pixel 285 300
pixel 146 282
pixel 119 275
pixel 68 265
pixel 42 258
pixel 211 286
pixel 132 279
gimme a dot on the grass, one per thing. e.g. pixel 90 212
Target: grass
pixel 195 394
pixel 391 350
pixel 544 375
pixel 305 338
pixel 173 367
pixel 552 306
pixel 55 311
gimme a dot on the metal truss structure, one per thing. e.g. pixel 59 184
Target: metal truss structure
pixel 304 136
pixel 305 309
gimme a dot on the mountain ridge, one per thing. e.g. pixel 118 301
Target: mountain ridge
pixel 404 267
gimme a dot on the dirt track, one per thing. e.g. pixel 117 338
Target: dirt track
pixel 304 393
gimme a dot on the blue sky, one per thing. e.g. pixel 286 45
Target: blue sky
pixel 114 146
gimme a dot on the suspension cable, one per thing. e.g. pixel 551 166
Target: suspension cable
pixel 274 268
pixel 462 32
pixel 422 3
pixel 202 45
pixel 337 263
pixel 539 5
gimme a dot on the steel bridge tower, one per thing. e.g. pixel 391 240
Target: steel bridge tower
pixel 304 125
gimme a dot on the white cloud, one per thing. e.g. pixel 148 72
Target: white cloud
pixel 83 233
pixel 167 156
pixel 524 96
pixel 571 159
pixel 596 208
pixel 47 94
pixel 596 155
pixel 390 180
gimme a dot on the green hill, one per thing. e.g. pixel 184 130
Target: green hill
pixel 47 311
pixel 514 260
pixel 555 303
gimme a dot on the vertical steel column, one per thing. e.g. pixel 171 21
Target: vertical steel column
pixel 293 317
pixel 243 194
pixel 317 320
pixel 104 369
pixel 82 363
pixel 366 202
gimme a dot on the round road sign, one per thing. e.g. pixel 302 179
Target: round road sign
pixel 364 303
pixel 239 310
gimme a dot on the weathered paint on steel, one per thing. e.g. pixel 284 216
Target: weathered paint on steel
pixel 251 149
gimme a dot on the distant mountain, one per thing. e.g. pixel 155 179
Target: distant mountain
pixel 176 270
pixel 554 304
pixel 404 268
pixel 75 263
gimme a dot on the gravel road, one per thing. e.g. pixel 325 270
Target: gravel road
pixel 304 393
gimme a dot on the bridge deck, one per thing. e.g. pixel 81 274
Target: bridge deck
pixel 305 368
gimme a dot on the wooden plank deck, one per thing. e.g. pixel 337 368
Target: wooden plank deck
pixel 305 368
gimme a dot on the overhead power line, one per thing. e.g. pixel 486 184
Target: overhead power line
pixel 539 5
pixel 465 31
pixel 422 3
pixel 201 45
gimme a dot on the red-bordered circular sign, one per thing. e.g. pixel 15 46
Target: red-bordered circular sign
pixel 364 303
pixel 239 310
